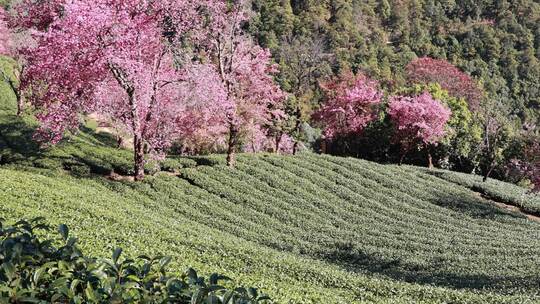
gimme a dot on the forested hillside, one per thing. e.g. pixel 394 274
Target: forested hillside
pixel 497 42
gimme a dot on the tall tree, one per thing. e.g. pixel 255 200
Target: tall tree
pixel 246 71
pixel 118 58
pixel 203 120
pixel 304 61
pixel 460 85
pixel 496 121
pixel 351 104
pixel 459 147
pixel 419 122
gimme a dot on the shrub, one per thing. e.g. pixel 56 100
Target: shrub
pixel 152 167
pixel 34 270
pixel 77 168
pixel 46 163
pixel 174 164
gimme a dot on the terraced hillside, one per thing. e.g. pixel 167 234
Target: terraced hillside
pixel 306 229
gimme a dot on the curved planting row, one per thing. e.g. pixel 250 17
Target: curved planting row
pixel 376 219
pixel 306 229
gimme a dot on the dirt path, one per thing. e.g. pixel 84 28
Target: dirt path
pixel 517 210
pixel 510 208
pixel 105 126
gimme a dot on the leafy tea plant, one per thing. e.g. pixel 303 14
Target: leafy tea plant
pixel 33 270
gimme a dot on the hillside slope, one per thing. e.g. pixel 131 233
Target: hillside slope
pixel 306 229
pixel 497 42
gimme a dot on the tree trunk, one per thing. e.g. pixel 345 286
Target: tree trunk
pixel 279 136
pixel 403 152
pixel 295 147
pixel 489 171
pixel 138 142
pixel 402 158
pixel 233 142
pixel 119 141
pixel 18 97
pixel 297 129
pixel 20 104
pixel 138 157
pixel 430 159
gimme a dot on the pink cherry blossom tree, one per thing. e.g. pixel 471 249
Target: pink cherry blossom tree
pixel 118 58
pixel 352 103
pixel 427 70
pixel 419 122
pixel 202 124
pixel 246 71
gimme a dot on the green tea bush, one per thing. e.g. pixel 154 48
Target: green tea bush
pixel 175 164
pixel 77 168
pixel 493 189
pixel 152 167
pixel 308 229
pixel 45 163
pixel 33 270
pixel 209 160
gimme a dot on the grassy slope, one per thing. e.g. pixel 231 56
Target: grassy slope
pixel 308 229
pixel 497 190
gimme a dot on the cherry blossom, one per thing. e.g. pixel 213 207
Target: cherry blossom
pixel 246 71
pixel 419 121
pixel 118 58
pixel 352 103
pixel 427 70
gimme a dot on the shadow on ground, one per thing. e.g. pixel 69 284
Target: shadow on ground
pixel 86 153
pixel 426 272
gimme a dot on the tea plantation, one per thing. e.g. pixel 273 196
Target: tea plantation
pixel 303 229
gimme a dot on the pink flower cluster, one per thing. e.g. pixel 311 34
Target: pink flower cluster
pixel 420 119
pixel 353 102
pixel 132 61
pixel 351 105
pixel 161 71
pixel 4 33
pixel 246 72
pixel 460 85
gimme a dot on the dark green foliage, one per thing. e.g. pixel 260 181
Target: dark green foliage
pixel 37 270
pixel 175 164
